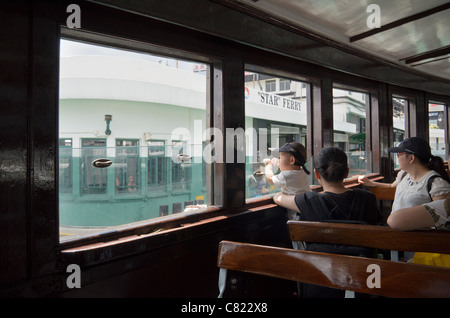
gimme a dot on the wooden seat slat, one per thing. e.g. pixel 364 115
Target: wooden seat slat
pixel 374 236
pixel 337 271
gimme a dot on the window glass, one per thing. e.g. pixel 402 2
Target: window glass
pixel 285 85
pixel 437 129
pixel 127 166
pixel 349 129
pixel 65 165
pixel 181 172
pixel 157 163
pixel 271 86
pixel 144 117
pixel 93 180
pixel 399 109
pixel 274 115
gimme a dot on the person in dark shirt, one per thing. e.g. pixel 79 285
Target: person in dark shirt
pixel 335 204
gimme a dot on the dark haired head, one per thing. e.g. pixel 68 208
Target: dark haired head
pixel 437 164
pixel 420 148
pixel 331 163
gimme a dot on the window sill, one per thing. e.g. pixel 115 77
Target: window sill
pixel 149 234
pixel 145 236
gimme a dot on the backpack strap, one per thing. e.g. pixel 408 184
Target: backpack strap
pixel 429 182
pixel 357 200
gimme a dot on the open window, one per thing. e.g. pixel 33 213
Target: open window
pixel 351 111
pixel 400 108
pixel 131 135
pixel 437 129
pixel 275 114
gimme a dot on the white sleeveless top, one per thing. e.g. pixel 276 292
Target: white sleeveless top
pixel 410 193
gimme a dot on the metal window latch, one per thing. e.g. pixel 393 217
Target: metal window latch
pixel 101 163
pixel 184 158
pixel 258 174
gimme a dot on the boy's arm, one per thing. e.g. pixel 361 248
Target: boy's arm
pixel 268 170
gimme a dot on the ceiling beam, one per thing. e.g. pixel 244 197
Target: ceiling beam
pixel 427 55
pixel 431 61
pixel 399 22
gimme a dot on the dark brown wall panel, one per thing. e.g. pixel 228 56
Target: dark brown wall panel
pixel 14 58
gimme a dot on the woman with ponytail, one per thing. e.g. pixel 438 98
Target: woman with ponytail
pixel 422 177
pixel 336 202
pixel 423 188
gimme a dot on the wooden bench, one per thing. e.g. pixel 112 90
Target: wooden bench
pixel 365 275
pixel 383 193
pixel 373 236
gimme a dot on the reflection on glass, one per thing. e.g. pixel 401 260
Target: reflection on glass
pixel 142 113
pixel 349 129
pixel 275 114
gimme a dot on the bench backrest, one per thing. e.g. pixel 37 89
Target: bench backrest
pixel 380 237
pixel 365 275
pixel 383 193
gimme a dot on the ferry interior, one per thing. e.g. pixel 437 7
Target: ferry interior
pixel 133 136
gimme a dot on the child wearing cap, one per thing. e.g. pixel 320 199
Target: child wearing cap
pixel 292 178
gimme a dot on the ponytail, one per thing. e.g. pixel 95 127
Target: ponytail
pixel 331 163
pixel 437 164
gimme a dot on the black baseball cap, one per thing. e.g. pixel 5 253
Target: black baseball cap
pixel 414 145
pixel 297 150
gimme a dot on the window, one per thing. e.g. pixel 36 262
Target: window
pixel 65 165
pixel 271 86
pixel 271 120
pixel 437 129
pixel 157 168
pixel 142 114
pixel 181 167
pixel 93 179
pixel 400 106
pixel 127 166
pixel 285 85
pixel 349 129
